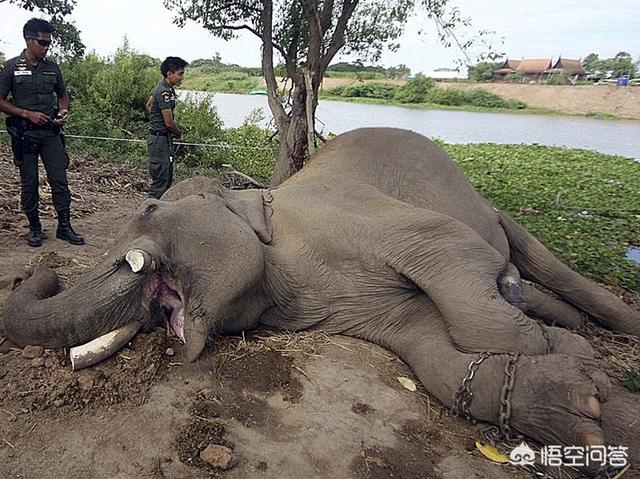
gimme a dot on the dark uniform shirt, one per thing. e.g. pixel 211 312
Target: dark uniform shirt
pixel 32 87
pixel 164 97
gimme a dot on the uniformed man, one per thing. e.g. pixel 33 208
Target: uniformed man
pixel 162 125
pixel 34 124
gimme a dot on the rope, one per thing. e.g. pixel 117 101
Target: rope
pixel 135 140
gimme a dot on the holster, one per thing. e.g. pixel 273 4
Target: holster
pixel 16 130
pixel 21 143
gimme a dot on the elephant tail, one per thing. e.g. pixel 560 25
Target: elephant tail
pixel 536 263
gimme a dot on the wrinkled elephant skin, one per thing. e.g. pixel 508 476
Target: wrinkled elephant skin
pixel 380 237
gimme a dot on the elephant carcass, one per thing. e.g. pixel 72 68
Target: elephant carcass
pixel 380 237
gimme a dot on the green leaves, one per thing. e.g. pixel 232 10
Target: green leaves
pixel 581 204
pixel 632 379
pixel 68 44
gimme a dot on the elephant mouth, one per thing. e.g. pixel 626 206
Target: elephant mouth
pixel 162 296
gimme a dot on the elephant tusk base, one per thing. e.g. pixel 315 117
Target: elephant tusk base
pixel 102 347
pixel 139 260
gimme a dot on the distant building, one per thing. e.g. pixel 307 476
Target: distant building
pixel 445 74
pixel 568 67
pixel 509 66
pixel 534 69
pixel 539 70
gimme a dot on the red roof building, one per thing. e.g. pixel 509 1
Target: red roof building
pixel 568 66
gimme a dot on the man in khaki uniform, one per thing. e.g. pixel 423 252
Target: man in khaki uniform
pixel 162 125
pixel 35 128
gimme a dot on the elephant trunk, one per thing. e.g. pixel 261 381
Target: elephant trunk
pixel 109 297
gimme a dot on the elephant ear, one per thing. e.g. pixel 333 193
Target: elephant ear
pixel 254 206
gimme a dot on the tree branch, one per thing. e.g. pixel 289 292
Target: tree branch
pixel 327 16
pixel 240 27
pixel 280 116
pixel 310 10
pixel 337 39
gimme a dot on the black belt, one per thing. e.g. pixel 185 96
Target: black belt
pixel 25 125
pixel 158 132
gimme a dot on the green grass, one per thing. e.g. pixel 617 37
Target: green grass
pixel 603 116
pixel 436 106
pixel 587 203
pixel 226 82
pixel 632 379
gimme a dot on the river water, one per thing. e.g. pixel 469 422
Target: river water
pixel 620 137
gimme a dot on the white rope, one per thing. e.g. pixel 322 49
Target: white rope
pixel 181 143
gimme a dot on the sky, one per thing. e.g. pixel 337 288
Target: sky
pixel 523 29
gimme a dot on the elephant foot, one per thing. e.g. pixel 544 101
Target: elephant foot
pixel 556 400
pixel 620 421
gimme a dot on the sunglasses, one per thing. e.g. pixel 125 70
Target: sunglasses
pixel 41 42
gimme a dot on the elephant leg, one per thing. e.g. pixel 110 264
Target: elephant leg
pixel 551 310
pixel 510 286
pixel 536 263
pixel 553 399
pixel 459 271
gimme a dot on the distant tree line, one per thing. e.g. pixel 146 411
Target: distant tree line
pixel 621 64
pixel 355 69
pixel 400 71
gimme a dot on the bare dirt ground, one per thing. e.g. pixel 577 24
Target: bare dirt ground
pixel 285 405
pixel 591 100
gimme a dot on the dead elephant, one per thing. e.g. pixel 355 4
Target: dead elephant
pixel 380 237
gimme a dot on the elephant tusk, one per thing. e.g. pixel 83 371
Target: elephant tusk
pixel 102 347
pixel 139 260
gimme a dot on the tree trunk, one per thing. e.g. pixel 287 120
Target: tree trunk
pixel 293 139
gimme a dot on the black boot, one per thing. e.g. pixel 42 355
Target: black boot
pixel 34 238
pixel 65 231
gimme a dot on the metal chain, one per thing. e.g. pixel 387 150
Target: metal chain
pixel 464 395
pixel 505 397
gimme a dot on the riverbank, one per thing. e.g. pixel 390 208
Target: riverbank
pixel 605 102
pixel 587 100
pixel 599 101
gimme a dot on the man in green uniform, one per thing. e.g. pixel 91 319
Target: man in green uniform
pixel 34 125
pixel 162 125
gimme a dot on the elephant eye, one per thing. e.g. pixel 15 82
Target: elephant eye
pixel 150 209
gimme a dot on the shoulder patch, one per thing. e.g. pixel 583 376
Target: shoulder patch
pixel 1 67
pixel 166 96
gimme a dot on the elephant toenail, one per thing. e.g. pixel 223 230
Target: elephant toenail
pixel 593 406
pixel 592 439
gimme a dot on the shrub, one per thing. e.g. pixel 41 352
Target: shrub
pixel 200 123
pixel 516 104
pixel 446 96
pixel 336 91
pixel 483 98
pixel 415 90
pixel 369 90
pixel 514 77
pixel 558 79
pixel 245 148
